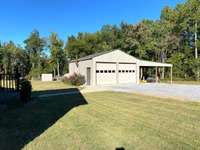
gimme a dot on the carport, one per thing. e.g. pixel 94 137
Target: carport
pixel 156 65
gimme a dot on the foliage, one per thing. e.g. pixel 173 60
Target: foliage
pixel 174 38
pixel 164 40
pixel 34 45
pixel 57 53
pixel 177 60
pixel 35 74
pixel 25 90
pixel 12 57
pixel 75 79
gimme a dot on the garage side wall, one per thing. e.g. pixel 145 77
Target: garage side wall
pixel 73 68
pixel 82 68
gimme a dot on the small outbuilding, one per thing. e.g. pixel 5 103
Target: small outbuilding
pixel 113 67
pixel 47 77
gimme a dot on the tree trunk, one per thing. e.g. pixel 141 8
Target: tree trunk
pixel 54 72
pixel 163 73
pixel 39 64
pixel 163 61
pixel 58 69
pixel 5 69
pixel 33 65
pixel 196 48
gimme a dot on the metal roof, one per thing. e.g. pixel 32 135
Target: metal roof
pixel 140 62
pixel 145 63
pixel 91 56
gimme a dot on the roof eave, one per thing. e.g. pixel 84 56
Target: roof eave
pixel 153 64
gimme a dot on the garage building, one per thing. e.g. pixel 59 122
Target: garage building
pixel 113 67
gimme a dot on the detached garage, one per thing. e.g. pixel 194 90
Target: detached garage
pixel 113 67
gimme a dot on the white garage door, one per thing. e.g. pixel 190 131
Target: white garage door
pixel 127 73
pixel 106 73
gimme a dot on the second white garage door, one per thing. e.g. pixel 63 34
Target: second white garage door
pixel 127 73
pixel 106 73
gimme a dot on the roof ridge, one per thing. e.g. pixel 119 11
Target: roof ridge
pixel 88 57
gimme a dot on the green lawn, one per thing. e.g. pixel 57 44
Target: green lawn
pixel 181 82
pixel 40 87
pixel 187 82
pixel 53 85
pixel 101 121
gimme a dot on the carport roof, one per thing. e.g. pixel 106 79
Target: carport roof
pixel 145 63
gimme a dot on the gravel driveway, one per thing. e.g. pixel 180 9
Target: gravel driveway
pixel 184 92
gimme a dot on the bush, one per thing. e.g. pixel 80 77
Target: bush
pixel 35 74
pixel 25 90
pixel 75 79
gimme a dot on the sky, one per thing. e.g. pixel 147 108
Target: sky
pixel 68 17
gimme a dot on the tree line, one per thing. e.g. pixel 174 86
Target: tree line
pixel 34 59
pixel 174 38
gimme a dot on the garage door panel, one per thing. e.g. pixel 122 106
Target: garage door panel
pixel 127 66
pixel 127 73
pixel 106 73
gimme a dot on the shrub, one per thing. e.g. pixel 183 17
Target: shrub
pixel 75 79
pixel 35 74
pixel 25 90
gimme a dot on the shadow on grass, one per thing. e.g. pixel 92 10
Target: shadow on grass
pixel 120 148
pixel 37 93
pixel 19 126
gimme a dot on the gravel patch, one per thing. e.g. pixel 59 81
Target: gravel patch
pixel 180 91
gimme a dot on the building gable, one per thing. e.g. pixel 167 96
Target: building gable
pixel 116 56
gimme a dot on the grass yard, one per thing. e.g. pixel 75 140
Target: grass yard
pixel 53 85
pixel 102 121
pixel 187 82
pixel 181 82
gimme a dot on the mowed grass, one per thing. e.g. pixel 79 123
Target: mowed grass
pixel 102 121
pixel 49 85
pixel 181 82
pixel 40 87
pixel 187 82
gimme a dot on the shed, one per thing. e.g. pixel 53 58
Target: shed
pixel 113 67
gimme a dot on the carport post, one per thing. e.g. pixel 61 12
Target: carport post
pixel 138 74
pixel 171 75
pixel 141 73
pixel 156 74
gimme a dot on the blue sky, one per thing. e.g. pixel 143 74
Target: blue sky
pixel 68 17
